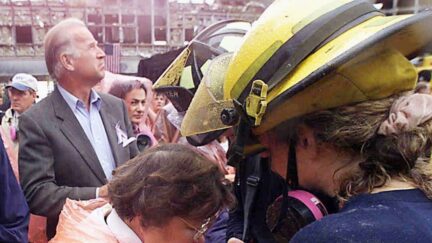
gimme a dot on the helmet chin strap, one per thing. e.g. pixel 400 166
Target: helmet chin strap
pixel 291 175
pixel 291 178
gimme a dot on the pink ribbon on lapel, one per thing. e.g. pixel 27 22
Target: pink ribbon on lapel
pixel 407 113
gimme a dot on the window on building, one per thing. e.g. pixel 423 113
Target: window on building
pixel 160 28
pixel 128 19
pixel 111 19
pixel 94 19
pixel 112 34
pixel 160 34
pixel 189 34
pixel 23 34
pixel 144 29
pixel 129 35
pixel 97 33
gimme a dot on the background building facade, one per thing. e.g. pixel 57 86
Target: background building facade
pixel 128 30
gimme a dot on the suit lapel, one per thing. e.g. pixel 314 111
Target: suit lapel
pixel 73 131
pixel 109 123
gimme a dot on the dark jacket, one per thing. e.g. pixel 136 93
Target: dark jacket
pixel 392 216
pixel 14 212
pixel 270 187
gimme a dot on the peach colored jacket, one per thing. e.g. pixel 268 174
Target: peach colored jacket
pixel 80 222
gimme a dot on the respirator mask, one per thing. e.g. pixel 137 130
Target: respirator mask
pixel 297 207
pixel 293 211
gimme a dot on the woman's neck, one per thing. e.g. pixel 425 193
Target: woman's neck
pixel 136 227
pixel 393 185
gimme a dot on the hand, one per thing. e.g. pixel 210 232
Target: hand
pixel 234 240
pixel 103 191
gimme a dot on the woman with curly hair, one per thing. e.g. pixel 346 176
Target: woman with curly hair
pixel 330 84
pixel 375 157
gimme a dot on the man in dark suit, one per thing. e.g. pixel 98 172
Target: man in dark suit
pixel 72 140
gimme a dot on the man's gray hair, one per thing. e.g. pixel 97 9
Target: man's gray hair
pixel 58 41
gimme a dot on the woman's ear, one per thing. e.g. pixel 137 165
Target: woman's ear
pixel 307 142
pixel 66 62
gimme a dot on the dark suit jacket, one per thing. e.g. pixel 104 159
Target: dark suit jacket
pixel 56 159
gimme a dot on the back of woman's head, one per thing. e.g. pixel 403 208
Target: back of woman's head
pixel 354 128
pixel 167 181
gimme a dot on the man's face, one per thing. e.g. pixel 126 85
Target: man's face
pixel 21 100
pixel 135 102
pixel 89 65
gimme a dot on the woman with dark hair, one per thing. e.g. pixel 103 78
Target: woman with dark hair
pixel 166 194
pixel 137 99
pixel 134 94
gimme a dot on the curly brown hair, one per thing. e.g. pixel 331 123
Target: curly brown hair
pixel 354 128
pixel 167 181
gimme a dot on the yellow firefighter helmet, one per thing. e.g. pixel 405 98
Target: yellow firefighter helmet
pixel 304 56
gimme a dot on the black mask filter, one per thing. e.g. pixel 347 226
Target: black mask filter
pixel 301 208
